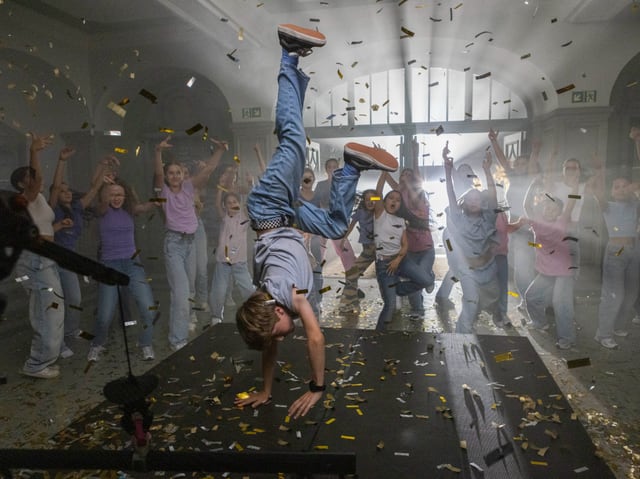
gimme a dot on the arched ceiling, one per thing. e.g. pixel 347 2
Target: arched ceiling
pixel 531 46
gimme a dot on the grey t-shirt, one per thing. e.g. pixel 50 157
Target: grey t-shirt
pixel 281 263
pixel 474 235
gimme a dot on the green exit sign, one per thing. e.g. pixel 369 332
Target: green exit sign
pixel 585 96
pixel 253 112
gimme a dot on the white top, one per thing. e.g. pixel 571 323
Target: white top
pixel 387 231
pixel 42 215
pixel 562 191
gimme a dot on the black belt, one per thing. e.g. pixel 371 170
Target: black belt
pixel 182 234
pixel 271 223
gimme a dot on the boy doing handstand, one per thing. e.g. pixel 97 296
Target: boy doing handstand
pixel 282 271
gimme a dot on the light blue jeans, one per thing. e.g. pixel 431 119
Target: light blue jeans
pixel 479 293
pixel 238 276
pixel 558 292
pixel 390 285
pixel 198 282
pixel 179 264
pixel 108 302
pixel 523 258
pixel 422 261
pixel 277 193
pixel 46 309
pixel 502 274
pixel 620 276
pixel 72 299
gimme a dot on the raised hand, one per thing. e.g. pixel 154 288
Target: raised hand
pixel 486 163
pixel 165 143
pixel 66 153
pixel 493 135
pixel 224 145
pixel 39 143
pixel 448 161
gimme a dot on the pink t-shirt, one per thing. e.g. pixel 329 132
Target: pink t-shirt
pixel 552 248
pixel 179 209
pixel 501 234
pixel 418 234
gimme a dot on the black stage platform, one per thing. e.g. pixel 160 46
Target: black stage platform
pixel 409 405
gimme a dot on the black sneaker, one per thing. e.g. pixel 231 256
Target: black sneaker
pixel 369 158
pixel 295 39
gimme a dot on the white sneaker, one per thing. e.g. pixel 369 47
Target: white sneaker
pixel 47 373
pixel 65 351
pixel 177 346
pixel 636 320
pixel 95 352
pixel 608 343
pixel 621 333
pixel 215 320
pixel 147 353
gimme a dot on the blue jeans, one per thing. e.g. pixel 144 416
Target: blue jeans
pixel 72 299
pixel 502 273
pixel 479 293
pixel 620 276
pixel 225 273
pixel 198 283
pixel 422 261
pixel 277 193
pixel 108 301
pixel 390 285
pixel 179 262
pixel 523 258
pixel 363 261
pixel 46 309
pixel 557 291
pixel 316 247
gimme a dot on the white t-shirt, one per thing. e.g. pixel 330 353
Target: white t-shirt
pixel 387 231
pixel 42 215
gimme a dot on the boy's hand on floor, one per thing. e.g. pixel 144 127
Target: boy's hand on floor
pixel 303 404
pixel 254 400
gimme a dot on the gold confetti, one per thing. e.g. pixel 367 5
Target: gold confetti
pixel 340 74
pixel 117 109
pixel 195 128
pixel 407 32
pixel 565 89
pixel 503 357
pixel 122 151
pixel 148 95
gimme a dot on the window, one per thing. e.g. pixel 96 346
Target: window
pixel 436 95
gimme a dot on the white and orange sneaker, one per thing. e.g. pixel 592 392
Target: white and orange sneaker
pixel 369 157
pixel 299 40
